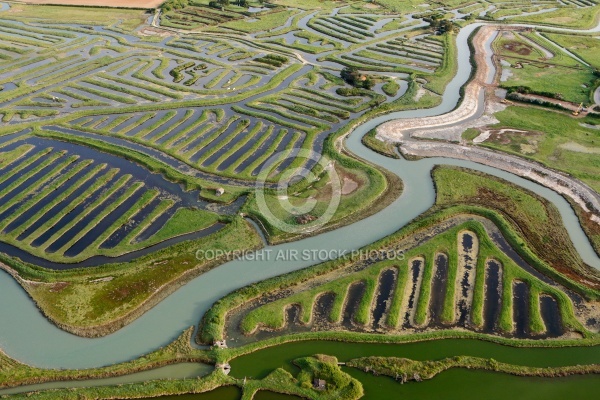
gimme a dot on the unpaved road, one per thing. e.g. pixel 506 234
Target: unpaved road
pixel 392 131
pixel 402 132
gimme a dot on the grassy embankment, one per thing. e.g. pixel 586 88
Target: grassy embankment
pixel 339 384
pixel 535 228
pixel 582 18
pixel 97 301
pixel 272 314
pixel 264 22
pixel 404 369
pixel 536 236
pixel 372 185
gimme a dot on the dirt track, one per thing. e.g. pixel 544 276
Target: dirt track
pixel 582 194
pixel 100 3
pixel 393 131
pixel 406 131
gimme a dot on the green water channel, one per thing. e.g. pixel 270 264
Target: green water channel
pixel 229 392
pixel 453 384
pixel 459 384
pixel 464 384
pixel 260 363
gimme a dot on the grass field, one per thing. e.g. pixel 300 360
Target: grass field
pixel 563 144
pixel 585 47
pixel 129 19
pixel 583 18
pixel 560 75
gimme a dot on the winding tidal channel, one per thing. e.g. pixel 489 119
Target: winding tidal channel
pixel 26 335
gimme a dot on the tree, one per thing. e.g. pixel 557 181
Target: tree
pixel 350 75
pixel 353 77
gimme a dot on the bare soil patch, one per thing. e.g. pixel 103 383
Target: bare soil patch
pixel 349 183
pixel 101 3
pixel 150 31
pixel 518 48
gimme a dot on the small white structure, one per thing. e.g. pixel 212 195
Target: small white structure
pixel 225 368
pixel 219 192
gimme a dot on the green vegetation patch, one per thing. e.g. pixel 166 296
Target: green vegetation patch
pixel 583 46
pixel 530 71
pixel 554 139
pixel 538 221
pixel 130 19
pixel 404 369
pixel 582 18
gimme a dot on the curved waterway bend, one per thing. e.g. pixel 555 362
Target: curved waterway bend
pixel 26 334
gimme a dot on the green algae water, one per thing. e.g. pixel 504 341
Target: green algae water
pixel 464 384
pixel 222 393
pixel 264 395
pixel 454 384
pixel 459 384
pixel 229 393
pixel 260 363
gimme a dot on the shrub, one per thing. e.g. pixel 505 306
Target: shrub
pixel 353 77
pixel 272 59
pixel 174 5
pixel 176 72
